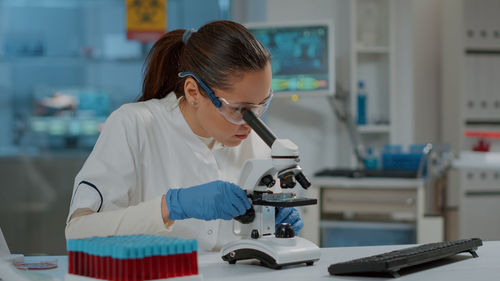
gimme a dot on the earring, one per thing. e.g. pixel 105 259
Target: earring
pixel 194 103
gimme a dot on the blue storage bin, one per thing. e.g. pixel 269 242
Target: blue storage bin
pixel 348 233
pixel 394 158
pixel 401 161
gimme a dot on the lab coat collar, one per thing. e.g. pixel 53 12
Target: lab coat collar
pixel 171 104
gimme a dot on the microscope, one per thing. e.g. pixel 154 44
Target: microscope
pixel 273 247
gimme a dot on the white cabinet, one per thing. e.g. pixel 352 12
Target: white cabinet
pixel 479 204
pixel 471 113
pixel 389 205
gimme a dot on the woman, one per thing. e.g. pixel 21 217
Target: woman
pixel 168 163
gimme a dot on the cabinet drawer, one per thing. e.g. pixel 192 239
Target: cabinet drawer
pixel 373 201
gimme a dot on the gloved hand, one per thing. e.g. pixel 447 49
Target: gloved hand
pixel 291 216
pixel 209 201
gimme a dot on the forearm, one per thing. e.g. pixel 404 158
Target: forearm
pixel 150 217
pixel 165 212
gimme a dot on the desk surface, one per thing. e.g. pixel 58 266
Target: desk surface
pixel 460 267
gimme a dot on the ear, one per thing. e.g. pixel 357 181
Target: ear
pixel 191 91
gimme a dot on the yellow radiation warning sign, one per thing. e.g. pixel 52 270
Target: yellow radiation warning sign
pixel 146 19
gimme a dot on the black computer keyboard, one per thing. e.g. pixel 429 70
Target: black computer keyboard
pixel 392 262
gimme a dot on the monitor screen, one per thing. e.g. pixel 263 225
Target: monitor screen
pixel 301 57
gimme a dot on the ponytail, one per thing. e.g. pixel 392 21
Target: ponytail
pixel 217 52
pixel 162 66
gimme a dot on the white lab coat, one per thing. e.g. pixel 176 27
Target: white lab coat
pixel 146 148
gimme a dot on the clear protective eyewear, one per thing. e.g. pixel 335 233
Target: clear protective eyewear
pixel 233 112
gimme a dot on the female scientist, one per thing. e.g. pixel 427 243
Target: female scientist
pixel 166 165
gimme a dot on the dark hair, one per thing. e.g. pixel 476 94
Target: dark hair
pixel 217 52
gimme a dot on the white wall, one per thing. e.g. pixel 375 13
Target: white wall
pixel 402 106
pixel 452 22
pixel 311 124
pixel 427 69
pixel 418 42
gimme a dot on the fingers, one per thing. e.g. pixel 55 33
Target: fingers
pixel 238 198
pixel 283 215
pixel 234 201
pixel 239 209
pixel 296 221
pixel 290 216
pixel 297 226
pixel 231 209
pixel 242 195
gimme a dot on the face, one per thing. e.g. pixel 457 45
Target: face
pixel 204 118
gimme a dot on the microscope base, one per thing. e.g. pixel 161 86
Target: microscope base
pixel 271 251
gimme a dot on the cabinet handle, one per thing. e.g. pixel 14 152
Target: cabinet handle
pixel 481 193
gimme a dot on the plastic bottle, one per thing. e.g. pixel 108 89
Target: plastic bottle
pixel 361 120
pixel 370 160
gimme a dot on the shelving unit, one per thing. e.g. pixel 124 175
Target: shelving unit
pixel 372 61
pixel 346 202
pixel 373 50
pixel 471 107
pixel 374 129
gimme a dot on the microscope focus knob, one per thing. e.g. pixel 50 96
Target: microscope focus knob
pixel 247 217
pixel 268 181
pixel 284 230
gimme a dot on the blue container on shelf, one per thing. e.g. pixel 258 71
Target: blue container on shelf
pixel 393 157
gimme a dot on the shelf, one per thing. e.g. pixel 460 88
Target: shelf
pixel 482 122
pixel 374 129
pixel 483 51
pixel 372 50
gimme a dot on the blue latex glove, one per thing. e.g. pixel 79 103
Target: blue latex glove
pixel 209 201
pixel 291 216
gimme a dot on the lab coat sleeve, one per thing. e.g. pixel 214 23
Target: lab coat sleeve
pixel 142 218
pixel 109 179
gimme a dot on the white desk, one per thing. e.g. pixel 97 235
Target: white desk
pixel 462 267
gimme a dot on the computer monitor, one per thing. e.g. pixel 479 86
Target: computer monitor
pixel 302 57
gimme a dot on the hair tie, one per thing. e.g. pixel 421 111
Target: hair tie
pixel 187 34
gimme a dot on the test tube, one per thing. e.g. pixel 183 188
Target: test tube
pixel 171 260
pixel 148 260
pixel 71 264
pixel 194 257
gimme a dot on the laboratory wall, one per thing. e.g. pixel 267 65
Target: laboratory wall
pixel 427 16
pixel 76 49
pixel 326 142
pixel 310 121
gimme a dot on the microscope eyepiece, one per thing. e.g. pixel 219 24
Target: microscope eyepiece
pixel 302 180
pixel 259 127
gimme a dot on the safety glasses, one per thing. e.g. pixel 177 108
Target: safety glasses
pixel 233 112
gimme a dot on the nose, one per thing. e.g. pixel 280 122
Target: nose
pixel 246 126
